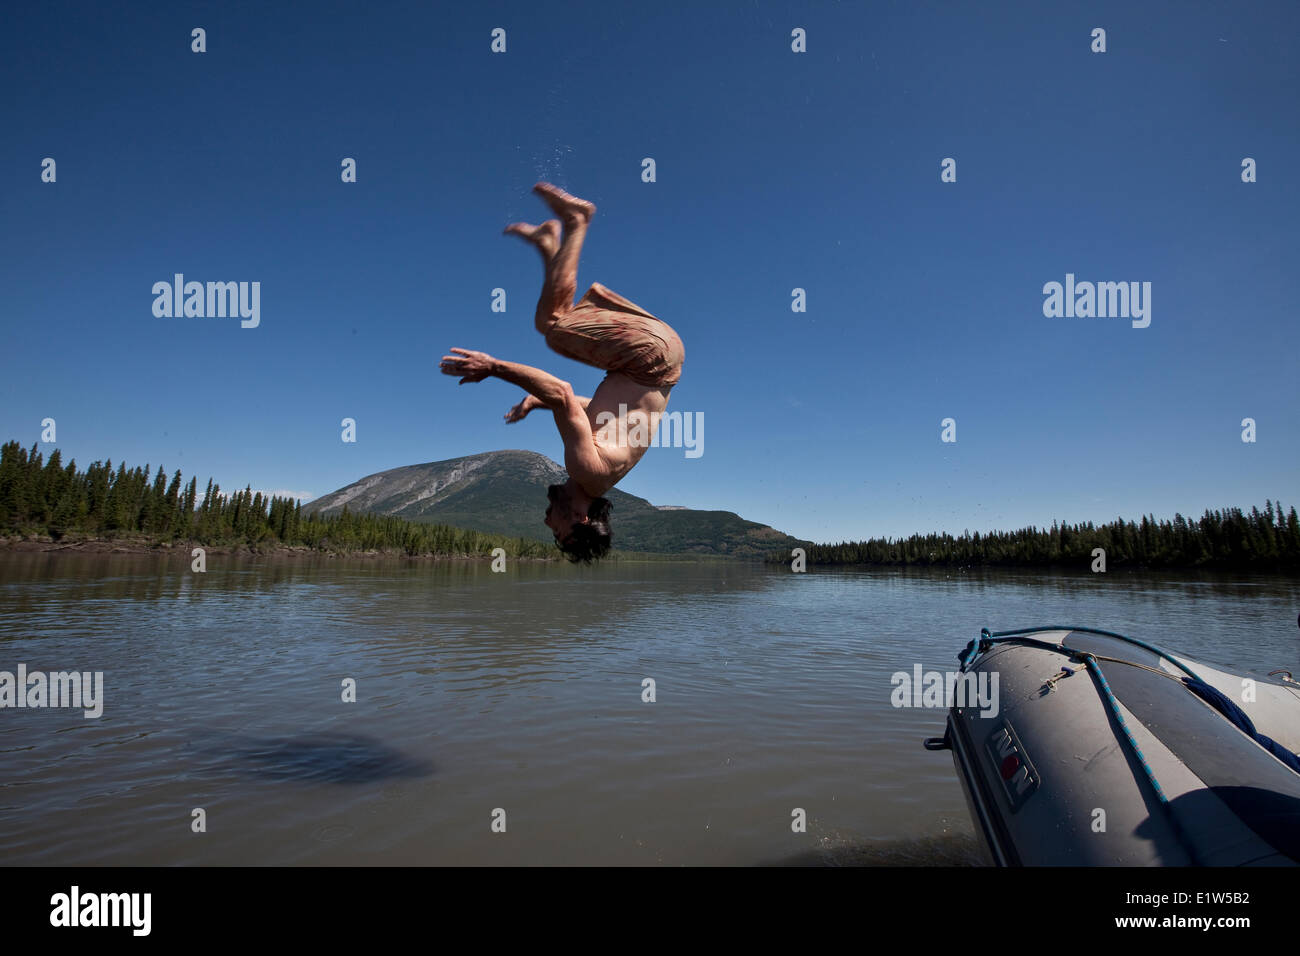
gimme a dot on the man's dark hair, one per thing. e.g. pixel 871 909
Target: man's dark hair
pixel 590 541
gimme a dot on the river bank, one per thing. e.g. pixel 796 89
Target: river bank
pixel 141 544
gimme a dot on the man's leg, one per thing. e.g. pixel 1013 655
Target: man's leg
pixel 545 238
pixel 561 282
pixel 603 330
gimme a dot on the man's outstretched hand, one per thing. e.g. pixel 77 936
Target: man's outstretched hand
pixel 520 411
pixel 473 366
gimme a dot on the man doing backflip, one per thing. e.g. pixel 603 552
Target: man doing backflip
pixel 640 354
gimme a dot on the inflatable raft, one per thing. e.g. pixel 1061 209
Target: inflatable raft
pixel 1103 750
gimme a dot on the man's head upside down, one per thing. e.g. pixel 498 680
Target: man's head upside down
pixel 583 537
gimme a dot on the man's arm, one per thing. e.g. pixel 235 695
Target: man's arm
pixel 549 391
pixel 531 403
pixel 583 462
pixel 581 459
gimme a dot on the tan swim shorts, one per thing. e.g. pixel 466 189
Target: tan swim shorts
pixel 610 332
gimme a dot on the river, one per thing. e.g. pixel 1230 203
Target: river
pixel 502 718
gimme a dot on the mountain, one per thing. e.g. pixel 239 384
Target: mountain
pixel 504 492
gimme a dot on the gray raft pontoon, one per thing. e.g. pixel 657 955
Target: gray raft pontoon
pixel 1104 750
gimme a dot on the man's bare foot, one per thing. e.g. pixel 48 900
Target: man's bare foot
pixel 545 237
pixel 568 207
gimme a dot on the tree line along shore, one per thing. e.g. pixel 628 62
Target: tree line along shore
pixel 44 498
pixel 1261 540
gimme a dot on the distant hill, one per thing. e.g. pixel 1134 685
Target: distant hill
pixel 504 492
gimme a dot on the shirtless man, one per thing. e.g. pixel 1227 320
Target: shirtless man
pixel 641 355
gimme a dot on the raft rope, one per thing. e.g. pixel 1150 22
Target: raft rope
pixel 987 639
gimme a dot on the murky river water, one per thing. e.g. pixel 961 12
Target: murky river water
pixel 518 698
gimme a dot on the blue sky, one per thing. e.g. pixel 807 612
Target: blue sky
pixel 775 170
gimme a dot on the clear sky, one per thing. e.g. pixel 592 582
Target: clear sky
pixel 775 170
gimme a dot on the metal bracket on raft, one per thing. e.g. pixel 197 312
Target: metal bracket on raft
pixel 938 743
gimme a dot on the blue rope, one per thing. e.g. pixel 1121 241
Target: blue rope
pixel 988 638
pixel 1095 669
